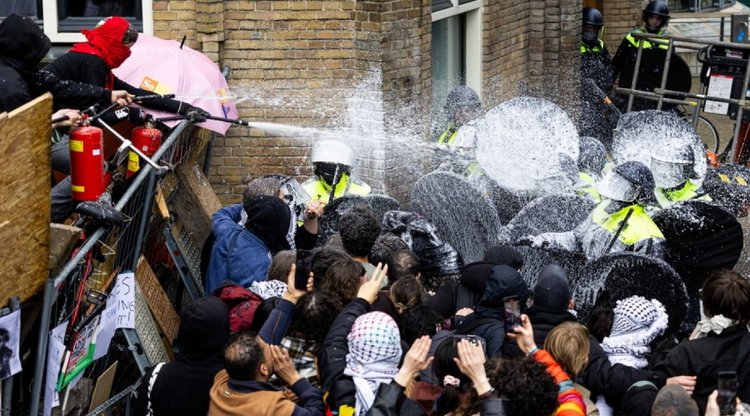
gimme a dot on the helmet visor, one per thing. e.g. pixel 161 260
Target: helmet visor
pixel 669 174
pixel 614 186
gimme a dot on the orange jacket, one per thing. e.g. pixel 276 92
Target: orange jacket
pixel 570 401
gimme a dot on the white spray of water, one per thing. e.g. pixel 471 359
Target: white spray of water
pixel 519 142
pixel 640 134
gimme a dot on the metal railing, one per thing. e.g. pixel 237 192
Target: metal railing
pixel 662 94
pixel 136 205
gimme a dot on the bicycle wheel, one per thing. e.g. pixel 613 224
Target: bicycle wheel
pixel 708 134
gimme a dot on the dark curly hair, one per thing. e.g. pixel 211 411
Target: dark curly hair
pixel 313 318
pixel 359 228
pixel 342 281
pixel 321 259
pixel 242 356
pixel 525 384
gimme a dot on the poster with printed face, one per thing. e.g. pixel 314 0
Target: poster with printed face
pixel 10 330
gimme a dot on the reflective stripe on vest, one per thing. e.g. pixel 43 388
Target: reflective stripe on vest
pixel 687 192
pixel 590 188
pixel 449 136
pixel 584 48
pixel 320 191
pixel 646 43
pixel 639 227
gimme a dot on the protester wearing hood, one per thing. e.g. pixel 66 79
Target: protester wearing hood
pixel 551 306
pixel 242 254
pixel 22 47
pixel 182 386
pixel 107 46
pixel 465 293
pixel 488 320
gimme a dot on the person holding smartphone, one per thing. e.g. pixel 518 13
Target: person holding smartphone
pixel 720 342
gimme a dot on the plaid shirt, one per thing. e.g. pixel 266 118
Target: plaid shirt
pixel 301 353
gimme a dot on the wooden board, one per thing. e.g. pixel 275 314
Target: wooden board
pixel 62 238
pixel 103 387
pixel 25 187
pixel 194 202
pixel 158 302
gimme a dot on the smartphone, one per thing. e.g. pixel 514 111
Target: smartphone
pixel 727 387
pixel 512 313
pixel 303 269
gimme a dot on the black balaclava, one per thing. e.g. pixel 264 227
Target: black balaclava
pixel 268 219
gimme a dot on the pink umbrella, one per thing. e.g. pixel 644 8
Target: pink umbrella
pixel 164 67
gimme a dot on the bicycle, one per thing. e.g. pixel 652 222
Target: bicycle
pixel 705 129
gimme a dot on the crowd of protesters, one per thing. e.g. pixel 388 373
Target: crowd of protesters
pixel 365 335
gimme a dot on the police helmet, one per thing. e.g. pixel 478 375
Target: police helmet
pixel 462 97
pixel 656 8
pixel 331 159
pixel 332 151
pixel 673 167
pixel 629 182
pixel 592 17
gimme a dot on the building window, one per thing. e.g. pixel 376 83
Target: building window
pixel 62 20
pixel 456 51
pixel 698 5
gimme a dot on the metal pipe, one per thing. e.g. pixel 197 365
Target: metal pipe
pixel 148 200
pixel 15 304
pixel 740 111
pixel 41 349
pixel 665 72
pixel 652 96
pixel 735 101
pixel 635 77
pixel 689 41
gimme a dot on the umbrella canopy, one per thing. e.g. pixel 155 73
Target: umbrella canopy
pixel 164 67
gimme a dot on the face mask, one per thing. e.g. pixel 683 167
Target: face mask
pixel 590 37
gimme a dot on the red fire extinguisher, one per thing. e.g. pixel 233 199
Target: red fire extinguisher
pixel 87 179
pixel 146 139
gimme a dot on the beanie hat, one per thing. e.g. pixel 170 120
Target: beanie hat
pixel 268 219
pixel 636 323
pixel 552 290
pixel 503 254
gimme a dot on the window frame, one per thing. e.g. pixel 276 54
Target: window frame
pixel 472 38
pixel 60 33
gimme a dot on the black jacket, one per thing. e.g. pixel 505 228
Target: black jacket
pixel 338 388
pixel 91 69
pixel 613 381
pixel 182 386
pixel 390 400
pixel 22 47
pixel 705 357
pixel 504 281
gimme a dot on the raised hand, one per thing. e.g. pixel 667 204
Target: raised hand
pixel 471 361
pixel 415 360
pixel 369 290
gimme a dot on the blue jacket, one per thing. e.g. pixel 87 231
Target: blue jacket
pixel 238 255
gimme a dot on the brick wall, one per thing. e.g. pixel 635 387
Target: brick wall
pixel 360 70
pixel 620 17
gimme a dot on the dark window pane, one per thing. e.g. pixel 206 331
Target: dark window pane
pixel 99 8
pixel 19 7
pixel 438 5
